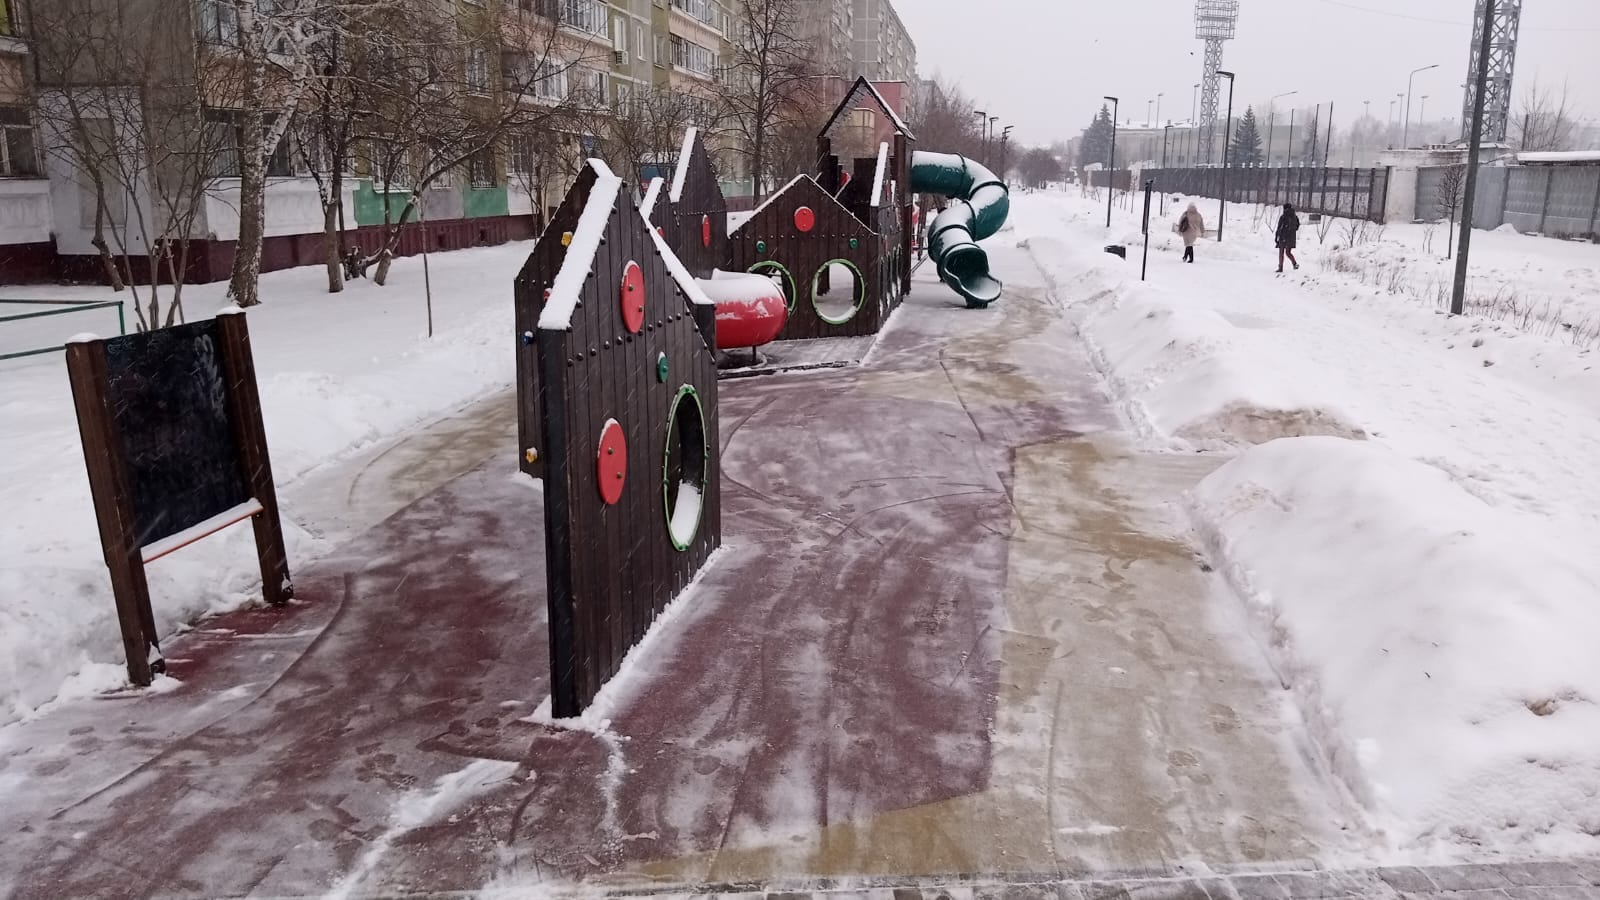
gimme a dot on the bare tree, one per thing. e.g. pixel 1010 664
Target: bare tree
pixel 945 120
pixel 648 127
pixel 1452 187
pixel 438 111
pixel 772 79
pixel 126 115
pixel 1543 120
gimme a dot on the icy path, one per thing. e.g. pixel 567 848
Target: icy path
pixel 1405 375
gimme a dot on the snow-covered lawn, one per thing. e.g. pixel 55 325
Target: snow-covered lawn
pixel 336 372
pixel 1422 567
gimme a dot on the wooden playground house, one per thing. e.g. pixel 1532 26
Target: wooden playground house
pixel 853 221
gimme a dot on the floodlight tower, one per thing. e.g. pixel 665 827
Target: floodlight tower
pixel 1214 22
pixel 1502 63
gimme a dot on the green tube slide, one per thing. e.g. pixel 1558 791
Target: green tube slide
pixel 980 203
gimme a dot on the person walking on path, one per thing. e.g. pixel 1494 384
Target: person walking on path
pixel 1190 227
pixel 1288 230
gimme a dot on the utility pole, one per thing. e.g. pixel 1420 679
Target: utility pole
pixel 1458 296
pixel 1227 155
pixel 1166 132
pixel 1111 164
pixel 1272 125
pixel 1405 133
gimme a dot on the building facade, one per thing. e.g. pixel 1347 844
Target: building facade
pixel 884 50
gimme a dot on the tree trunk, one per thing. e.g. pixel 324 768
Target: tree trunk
pixel 244 284
pixel 99 240
pixel 332 234
pixel 391 242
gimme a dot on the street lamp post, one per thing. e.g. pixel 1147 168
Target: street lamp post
pixel 1273 122
pixel 1422 117
pixel 1111 164
pixel 1227 138
pixel 1166 132
pixel 983 121
pixel 1405 133
pixel 1158 107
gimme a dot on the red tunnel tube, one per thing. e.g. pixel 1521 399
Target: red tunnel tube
pixel 751 309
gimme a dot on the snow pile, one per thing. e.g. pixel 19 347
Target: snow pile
pixel 1441 648
pixel 336 373
pixel 1187 375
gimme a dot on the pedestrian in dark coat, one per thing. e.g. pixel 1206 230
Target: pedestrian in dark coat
pixel 1288 230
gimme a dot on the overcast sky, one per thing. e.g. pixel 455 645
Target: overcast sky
pixel 1043 65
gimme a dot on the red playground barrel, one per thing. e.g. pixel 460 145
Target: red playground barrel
pixel 751 309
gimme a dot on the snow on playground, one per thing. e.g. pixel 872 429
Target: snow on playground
pixel 1409 512
pixel 336 371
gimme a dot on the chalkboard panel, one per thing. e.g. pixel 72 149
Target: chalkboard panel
pixel 169 400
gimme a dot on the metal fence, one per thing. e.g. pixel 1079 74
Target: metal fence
pixel 1346 193
pixel 1558 201
pixel 31 312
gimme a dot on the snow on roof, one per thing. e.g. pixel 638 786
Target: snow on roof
pixel 647 206
pixel 776 194
pixel 681 174
pixel 877 180
pixel 1561 156
pixel 899 124
pixel 568 286
pixel 691 288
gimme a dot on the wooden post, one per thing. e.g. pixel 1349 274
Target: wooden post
pixel 113 509
pixel 244 412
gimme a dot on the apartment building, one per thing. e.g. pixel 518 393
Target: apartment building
pixel 883 49
pixel 25 216
pixel 829 27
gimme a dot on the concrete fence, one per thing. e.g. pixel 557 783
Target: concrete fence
pixel 1556 201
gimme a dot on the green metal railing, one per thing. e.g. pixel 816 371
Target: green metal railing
pixel 72 306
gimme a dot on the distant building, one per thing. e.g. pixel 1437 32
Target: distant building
pixel 884 50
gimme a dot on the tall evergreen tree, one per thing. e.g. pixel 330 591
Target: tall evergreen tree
pixel 1096 145
pixel 1246 149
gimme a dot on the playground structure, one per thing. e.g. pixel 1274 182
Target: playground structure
pixel 626 389
pixel 620 311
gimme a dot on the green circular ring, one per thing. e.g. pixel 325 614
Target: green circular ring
pixel 792 293
pixel 666 483
pixel 861 291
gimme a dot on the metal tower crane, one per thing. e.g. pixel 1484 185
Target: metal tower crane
pixel 1214 22
pixel 1502 63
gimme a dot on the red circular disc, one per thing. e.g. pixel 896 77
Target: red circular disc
pixel 705 230
pixel 612 467
pixel 633 297
pixel 805 219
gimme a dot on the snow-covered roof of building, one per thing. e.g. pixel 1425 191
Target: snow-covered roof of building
pixel 575 268
pixel 878 179
pixel 681 173
pixel 1561 156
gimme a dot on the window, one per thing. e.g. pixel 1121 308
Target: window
pixel 524 154
pixel 19 155
pixel 8 26
pixel 478 71
pixel 587 16
pixel 624 97
pixel 692 57
pixel 219 22
pixel 619 40
pixel 701 10
pixel 638 41
pixel 480 169
pixel 550 80
pixel 663 53
pixel 223 140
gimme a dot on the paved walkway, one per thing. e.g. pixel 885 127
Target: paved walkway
pixel 957 637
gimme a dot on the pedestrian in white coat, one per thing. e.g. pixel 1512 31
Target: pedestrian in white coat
pixel 1191 226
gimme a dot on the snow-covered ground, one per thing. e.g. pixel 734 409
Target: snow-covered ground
pixel 1410 511
pixel 336 372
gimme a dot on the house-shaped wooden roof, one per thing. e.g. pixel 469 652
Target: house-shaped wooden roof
pixel 864 95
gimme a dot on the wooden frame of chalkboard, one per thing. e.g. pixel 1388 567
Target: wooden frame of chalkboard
pixel 176 451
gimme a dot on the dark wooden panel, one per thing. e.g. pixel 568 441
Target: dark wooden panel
pixel 701 238
pixel 613 568
pixel 169 401
pixel 528 292
pixel 804 254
